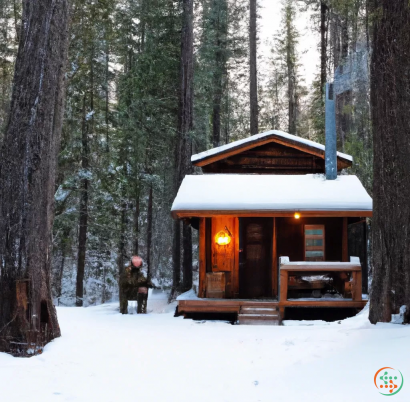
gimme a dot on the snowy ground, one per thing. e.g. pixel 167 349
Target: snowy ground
pixel 104 356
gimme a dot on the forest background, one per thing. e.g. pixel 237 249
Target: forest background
pixel 121 143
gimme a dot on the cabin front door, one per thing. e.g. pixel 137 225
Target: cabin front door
pixel 255 256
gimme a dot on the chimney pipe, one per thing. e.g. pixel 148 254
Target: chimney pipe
pixel 330 128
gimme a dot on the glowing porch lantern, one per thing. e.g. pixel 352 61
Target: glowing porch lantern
pixel 223 238
pixel 297 215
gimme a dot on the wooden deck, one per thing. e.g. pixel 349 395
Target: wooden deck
pixel 249 312
pixel 222 305
pixel 273 310
pixel 234 305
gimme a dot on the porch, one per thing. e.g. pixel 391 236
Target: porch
pixel 345 276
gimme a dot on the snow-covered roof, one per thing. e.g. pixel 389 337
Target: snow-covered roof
pixel 270 193
pixel 274 134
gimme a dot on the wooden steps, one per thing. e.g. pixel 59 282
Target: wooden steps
pixel 256 315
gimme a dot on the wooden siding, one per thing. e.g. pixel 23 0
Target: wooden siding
pixel 270 158
pixel 223 257
pixel 290 237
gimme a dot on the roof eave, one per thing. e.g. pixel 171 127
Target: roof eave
pixel 180 214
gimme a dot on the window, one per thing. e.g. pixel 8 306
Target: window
pixel 314 243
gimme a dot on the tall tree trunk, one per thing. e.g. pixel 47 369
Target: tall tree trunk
pixel 290 62
pixel 149 233
pixel 323 46
pixel 83 219
pixel 291 38
pixel 345 35
pixel 60 277
pixel 216 113
pixel 122 243
pixel 107 96
pixel 184 142
pixel 64 249
pixel 136 223
pixel 254 126
pixel 176 257
pixel 390 105
pixel 219 81
pixel 292 106
pixel 27 174
pixel 123 238
pixel 104 286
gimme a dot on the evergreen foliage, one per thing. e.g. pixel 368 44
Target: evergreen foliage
pixel 117 164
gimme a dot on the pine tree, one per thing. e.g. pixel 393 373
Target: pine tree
pixel 253 69
pixel 390 102
pixel 285 84
pixel 10 15
pixel 183 150
pixel 27 175
pixel 220 64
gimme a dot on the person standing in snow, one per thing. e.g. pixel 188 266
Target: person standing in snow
pixel 134 286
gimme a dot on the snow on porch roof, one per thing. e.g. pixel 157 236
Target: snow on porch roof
pixel 258 138
pixel 226 193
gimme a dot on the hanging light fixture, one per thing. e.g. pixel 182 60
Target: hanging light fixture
pixel 297 215
pixel 223 238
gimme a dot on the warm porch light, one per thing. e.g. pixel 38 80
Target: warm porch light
pixel 297 215
pixel 223 238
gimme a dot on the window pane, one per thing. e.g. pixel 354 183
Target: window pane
pixel 314 242
pixel 314 254
pixel 314 232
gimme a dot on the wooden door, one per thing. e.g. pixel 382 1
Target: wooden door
pixel 255 264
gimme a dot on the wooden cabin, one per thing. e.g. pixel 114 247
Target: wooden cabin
pixel 274 234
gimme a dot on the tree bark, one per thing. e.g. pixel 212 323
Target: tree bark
pixel 184 142
pixel 27 175
pixel 149 233
pixel 176 258
pixel 323 46
pixel 65 241
pixel 254 126
pixel 219 82
pixel 390 105
pixel 291 67
pixel 136 223
pixel 83 219
pixel 122 246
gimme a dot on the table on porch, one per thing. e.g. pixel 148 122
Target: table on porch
pixel 320 268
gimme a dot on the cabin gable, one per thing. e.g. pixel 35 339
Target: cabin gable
pixel 269 157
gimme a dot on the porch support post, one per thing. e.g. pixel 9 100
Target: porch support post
pixel 235 279
pixel 202 257
pixel 274 261
pixel 357 286
pixel 283 285
pixel 284 274
pixel 345 252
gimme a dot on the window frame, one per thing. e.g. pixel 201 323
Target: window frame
pixel 314 237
